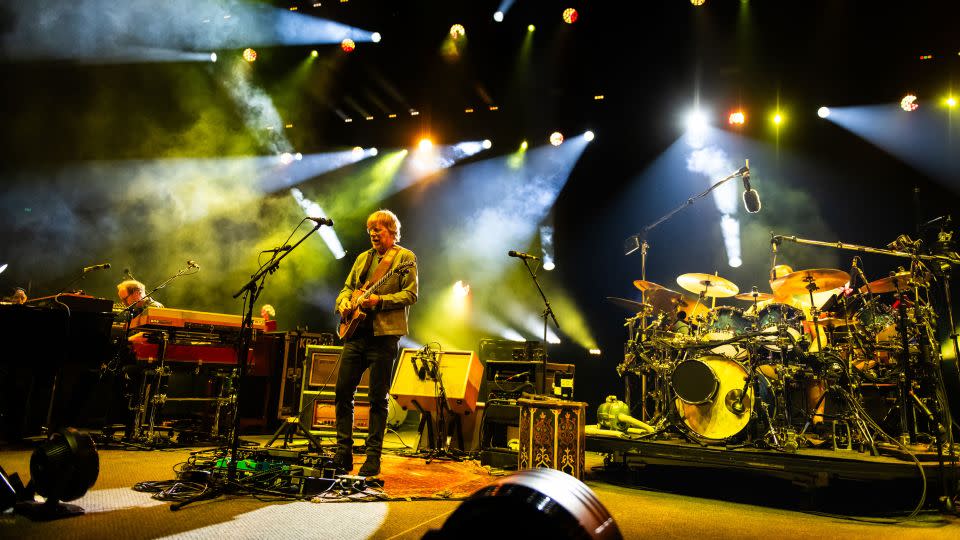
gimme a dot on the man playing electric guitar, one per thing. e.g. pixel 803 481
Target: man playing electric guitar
pixel 374 341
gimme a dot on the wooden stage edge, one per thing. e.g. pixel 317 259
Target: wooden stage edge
pixel 812 467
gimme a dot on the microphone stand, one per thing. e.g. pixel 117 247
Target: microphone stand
pixel 251 291
pixel 638 241
pixel 547 314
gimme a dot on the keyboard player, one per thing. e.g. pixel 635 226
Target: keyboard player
pixel 132 295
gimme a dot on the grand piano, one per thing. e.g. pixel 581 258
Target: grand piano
pixel 52 347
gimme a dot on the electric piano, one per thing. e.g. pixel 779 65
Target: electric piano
pixel 187 336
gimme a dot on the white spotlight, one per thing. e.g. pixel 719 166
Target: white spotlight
pixel 696 121
pixel 286 158
pixel 213 57
pixel 374 151
pixel 486 144
pixel 298 156
pixel 3 267
pixel 498 16
pixel 375 37
pixel 823 112
pixel 588 136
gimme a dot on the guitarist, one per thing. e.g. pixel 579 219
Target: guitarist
pixel 374 343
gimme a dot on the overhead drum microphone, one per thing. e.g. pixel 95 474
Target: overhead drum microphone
pixel 751 199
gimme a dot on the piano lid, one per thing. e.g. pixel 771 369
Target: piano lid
pixel 76 302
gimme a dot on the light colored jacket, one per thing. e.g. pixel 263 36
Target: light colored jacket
pixel 397 293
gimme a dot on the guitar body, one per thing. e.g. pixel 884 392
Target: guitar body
pixel 349 324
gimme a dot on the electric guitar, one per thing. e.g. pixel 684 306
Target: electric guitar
pixel 352 319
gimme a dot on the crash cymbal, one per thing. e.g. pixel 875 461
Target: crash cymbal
pixel 897 282
pixel 795 283
pixel 761 296
pixel 633 306
pixel 647 285
pixel 710 285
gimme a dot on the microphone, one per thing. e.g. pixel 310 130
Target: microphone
pixel 103 266
pixel 321 221
pixel 193 264
pixel 285 247
pixel 522 255
pixel 751 199
pixel 127 274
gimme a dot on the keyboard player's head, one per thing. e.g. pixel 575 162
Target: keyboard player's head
pixel 133 292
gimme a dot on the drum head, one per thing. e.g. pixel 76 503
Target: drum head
pixel 694 381
pixel 715 420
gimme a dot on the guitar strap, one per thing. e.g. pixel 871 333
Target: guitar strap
pixel 381 268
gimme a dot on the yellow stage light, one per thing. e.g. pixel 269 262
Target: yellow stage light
pixel 951 102
pixel 249 54
pixel 457 31
pixel 698 2
pixel 348 45
pixel 523 146
pixel 777 118
pixel 737 118
pixel 531 28
pixel 314 53
pixel 570 15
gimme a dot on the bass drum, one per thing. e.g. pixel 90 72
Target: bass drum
pixel 707 389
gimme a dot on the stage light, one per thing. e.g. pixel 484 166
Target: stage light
pixel 588 136
pixel 823 112
pixel 556 138
pixel 523 146
pixel 461 289
pixel 213 57
pixel 595 352
pixel 737 118
pixel 314 53
pixel 249 54
pixel 486 144
pixel 777 118
pixel 298 156
pixel 538 503
pixel 498 16
pixel 909 103
pixel 698 2
pixel 531 28
pixel 951 102
pixel 457 31
pixel 3 267
pixel 425 144
pixel 348 45
pixel 696 121
pixel 357 152
pixel 376 37
pixel 548 265
pixel 61 469
pixel 570 15
pixel 374 151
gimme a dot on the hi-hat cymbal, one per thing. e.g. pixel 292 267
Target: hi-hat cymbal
pixel 761 296
pixel 897 282
pixel 796 283
pixel 710 285
pixel 647 285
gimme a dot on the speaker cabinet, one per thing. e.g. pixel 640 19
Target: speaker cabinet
pixel 323 363
pixel 291 356
pixel 418 372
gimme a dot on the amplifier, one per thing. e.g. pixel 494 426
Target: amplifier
pixel 319 412
pixel 293 348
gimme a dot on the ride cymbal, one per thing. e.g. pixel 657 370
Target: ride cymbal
pixel 760 297
pixel 797 283
pixel 708 284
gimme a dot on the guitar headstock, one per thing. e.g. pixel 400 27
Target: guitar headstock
pixel 402 268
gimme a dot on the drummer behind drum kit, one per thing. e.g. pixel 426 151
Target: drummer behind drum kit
pixel 785 373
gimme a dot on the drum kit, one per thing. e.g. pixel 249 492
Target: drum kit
pixel 791 370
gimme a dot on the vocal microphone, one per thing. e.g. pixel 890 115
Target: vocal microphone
pixel 522 255
pixel 321 221
pixel 751 199
pixel 103 266
pixel 193 264
pixel 286 247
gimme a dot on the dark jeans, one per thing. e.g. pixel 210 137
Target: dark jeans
pixel 378 353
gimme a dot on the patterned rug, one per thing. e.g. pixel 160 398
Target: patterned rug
pixel 416 478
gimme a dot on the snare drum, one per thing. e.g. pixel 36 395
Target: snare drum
pixel 726 322
pixel 773 316
pixel 706 389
